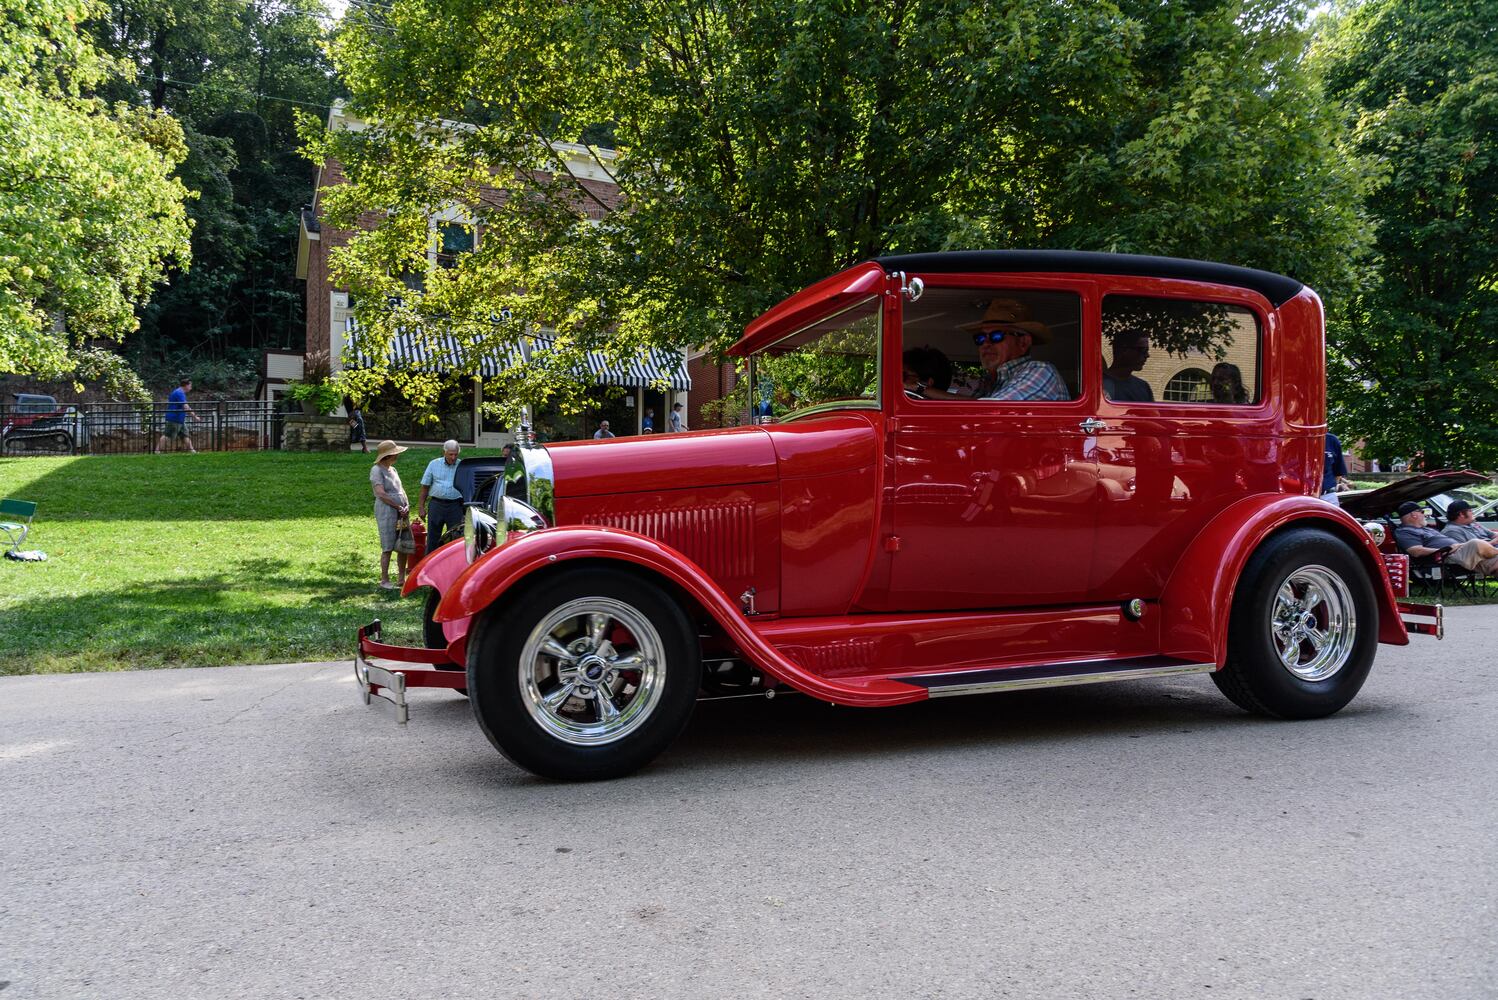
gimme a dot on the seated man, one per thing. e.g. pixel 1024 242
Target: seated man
pixel 1461 524
pixel 1004 336
pixel 1415 539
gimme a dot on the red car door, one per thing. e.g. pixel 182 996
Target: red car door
pixel 992 500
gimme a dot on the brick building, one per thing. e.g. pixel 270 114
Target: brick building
pixel 622 393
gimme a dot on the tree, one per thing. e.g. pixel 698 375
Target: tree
pixel 762 144
pixel 233 72
pixel 1415 362
pixel 90 217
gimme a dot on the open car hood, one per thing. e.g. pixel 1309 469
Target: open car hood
pixel 1386 499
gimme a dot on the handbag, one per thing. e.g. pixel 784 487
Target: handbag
pixel 405 540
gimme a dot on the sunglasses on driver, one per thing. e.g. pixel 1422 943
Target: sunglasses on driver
pixel 994 336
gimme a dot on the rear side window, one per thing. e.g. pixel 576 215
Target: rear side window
pixel 1180 351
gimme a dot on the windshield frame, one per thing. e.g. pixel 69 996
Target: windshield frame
pixel 832 405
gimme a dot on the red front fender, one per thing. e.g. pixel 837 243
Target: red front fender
pixel 438 569
pixel 1198 598
pixel 494 573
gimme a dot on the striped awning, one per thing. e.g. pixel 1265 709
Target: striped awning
pixel 651 368
pixel 644 371
pixel 433 351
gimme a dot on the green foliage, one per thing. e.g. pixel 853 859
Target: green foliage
pixel 1415 352
pixel 208 62
pixel 763 145
pixel 325 398
pixel 90 217
pixel 110 373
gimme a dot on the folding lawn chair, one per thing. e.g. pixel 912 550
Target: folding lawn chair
pixel 17 516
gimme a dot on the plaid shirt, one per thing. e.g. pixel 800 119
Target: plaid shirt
pixel 1024 378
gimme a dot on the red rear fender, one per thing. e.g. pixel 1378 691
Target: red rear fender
pixel 1198 598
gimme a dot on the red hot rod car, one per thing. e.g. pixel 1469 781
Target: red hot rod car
pixel 969 472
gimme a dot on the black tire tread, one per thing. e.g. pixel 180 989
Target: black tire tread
pixel 515 735
pixel 1296 700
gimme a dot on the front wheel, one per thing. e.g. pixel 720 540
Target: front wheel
pixel 1304 628
pixel 589 676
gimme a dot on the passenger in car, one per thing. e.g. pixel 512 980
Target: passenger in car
pixel 1004 337
pixel 925 367
pixel 1227 384
pixel 1131 349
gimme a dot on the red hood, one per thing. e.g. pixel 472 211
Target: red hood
pixel 729 457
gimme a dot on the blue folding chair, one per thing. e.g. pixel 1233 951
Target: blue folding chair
pixel 17 517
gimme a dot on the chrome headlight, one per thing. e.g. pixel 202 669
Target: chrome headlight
pixel 519 517
pixel 483 530
pixel 1375 531
pixel 480 531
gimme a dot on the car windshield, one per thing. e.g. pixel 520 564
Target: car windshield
pixel 833 360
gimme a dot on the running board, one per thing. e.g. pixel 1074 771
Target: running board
pixel 1053 675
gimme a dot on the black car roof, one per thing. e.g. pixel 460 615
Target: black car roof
pixel 1277 288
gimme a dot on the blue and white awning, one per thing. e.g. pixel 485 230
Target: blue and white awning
pixel 437 352
pixel 432 351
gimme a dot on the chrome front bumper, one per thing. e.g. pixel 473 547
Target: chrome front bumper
pixel 418 668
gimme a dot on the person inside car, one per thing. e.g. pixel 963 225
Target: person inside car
pixel 923 368
pixel 1416 539
pixel 1226 384
pixel 1461 524
pixel 1131 349
pixel 1004 337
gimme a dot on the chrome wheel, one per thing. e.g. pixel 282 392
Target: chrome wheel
pixel 592 671
pixel 1313 623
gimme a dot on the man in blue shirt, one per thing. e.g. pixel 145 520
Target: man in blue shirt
pixel 440 494
pixel 1333 469
pixel 177 412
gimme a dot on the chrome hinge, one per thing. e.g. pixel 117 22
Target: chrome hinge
pixel 746 601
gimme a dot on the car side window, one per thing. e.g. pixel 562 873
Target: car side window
pixel 1159 350
pixel 993 344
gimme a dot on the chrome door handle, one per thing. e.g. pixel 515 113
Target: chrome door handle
pixel 1092 425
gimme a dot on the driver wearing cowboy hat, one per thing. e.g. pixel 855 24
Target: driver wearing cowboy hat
pixel 1004 337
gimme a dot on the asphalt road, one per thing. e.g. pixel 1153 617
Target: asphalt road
pixel 258 832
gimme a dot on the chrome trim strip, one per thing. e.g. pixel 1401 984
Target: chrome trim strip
pixel 984 687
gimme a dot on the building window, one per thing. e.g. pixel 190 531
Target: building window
pixel 454 238
pixel 1189 385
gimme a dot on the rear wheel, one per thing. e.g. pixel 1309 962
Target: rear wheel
pixel 1304 628
pixel 590 675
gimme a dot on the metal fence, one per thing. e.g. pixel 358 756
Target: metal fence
pixel 137 428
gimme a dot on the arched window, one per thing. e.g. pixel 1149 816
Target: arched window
pixel 1189 385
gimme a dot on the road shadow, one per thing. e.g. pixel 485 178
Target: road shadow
pixel 754 739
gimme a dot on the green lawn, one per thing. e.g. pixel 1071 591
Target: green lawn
pixel 196 560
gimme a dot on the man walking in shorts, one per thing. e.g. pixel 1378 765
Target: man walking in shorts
pixel 177 412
